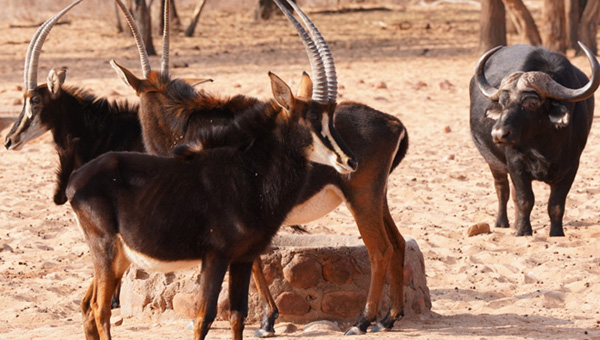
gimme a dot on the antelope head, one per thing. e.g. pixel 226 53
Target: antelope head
pixel 322 102
pixel 320 106
pixel 30 123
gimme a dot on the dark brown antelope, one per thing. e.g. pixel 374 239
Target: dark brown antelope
pixel 378 140
pixel 99 125
pixel 219 203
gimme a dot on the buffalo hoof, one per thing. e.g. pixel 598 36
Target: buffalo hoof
pixel 261 333
pixel 354 331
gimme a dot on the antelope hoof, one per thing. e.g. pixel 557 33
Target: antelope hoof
pixel 354 331
pixel 261 333
pixel 379 327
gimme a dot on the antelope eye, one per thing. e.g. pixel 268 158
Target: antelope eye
pixel 312 116
pixel 35 100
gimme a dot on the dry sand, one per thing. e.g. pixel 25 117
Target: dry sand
pixel 414 62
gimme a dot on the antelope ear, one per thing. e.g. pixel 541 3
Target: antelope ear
pixel 126 76
pixel 185 152
pixel 196 81
pixel 281 92
pixel 306 86
pixel 56 77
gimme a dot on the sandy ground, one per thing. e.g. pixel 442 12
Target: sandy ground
pixel 414 62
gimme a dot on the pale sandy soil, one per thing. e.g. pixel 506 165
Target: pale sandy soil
pixel 414 62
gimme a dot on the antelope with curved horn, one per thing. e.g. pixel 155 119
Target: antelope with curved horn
pixel 531 113
pixel 378 140
pixel 260 158
pixel 97 124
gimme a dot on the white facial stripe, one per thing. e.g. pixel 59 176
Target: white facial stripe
pixel 32 132
pixel 151 264
pixel 327 133
pixel 320 153
pixel 28 111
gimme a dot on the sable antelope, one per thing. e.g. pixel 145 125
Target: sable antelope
pixel 83 126
pixel 172 113
pixel 219 204
pixel 98 125
pixel 531 113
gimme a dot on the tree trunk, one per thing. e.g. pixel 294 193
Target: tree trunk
pixel 197 11
pixel 118 23
pixel 554 26
pixel 141 13
pixel 525 25
pixel 573 9
pixel 492 25
pixel 266 8
pixel 589 25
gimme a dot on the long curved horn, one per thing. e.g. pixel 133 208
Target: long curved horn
pixel 484 86
pixel 34 52
pixel 164 61
pixel 320 90
pixel 324 51
pixel 139 42
pixel 30 50
pixel 554 90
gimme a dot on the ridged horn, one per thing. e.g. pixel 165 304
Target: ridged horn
pixel 35 50
pixel 164 60
pixel 554 90
pixel 484 86
pixel 324 51
pixel 139 42
pixel 319 75
pixel 30 50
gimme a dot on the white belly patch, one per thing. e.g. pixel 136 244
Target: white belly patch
pixel 151 264
pixel 316 207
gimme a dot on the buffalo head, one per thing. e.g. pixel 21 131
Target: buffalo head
pixel 531 99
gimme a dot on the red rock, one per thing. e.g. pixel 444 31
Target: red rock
pixel 339 270
pixel 477 229
pixel 292 303
pixel 303 272
pixel 343 304
pixel 185 304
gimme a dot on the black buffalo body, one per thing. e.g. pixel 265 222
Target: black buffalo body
pixel 530 115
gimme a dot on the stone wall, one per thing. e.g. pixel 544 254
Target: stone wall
pixel 311 277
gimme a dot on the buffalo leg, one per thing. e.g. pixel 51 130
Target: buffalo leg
pixel 503 192
pixel 214 267
pixel 396 270
pixel 556 203
pixel 239 280
pixel 271 312
pixel 524 201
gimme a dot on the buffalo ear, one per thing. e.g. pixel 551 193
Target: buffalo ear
pixel 56 78
pixel 494 111
pixel 559 115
